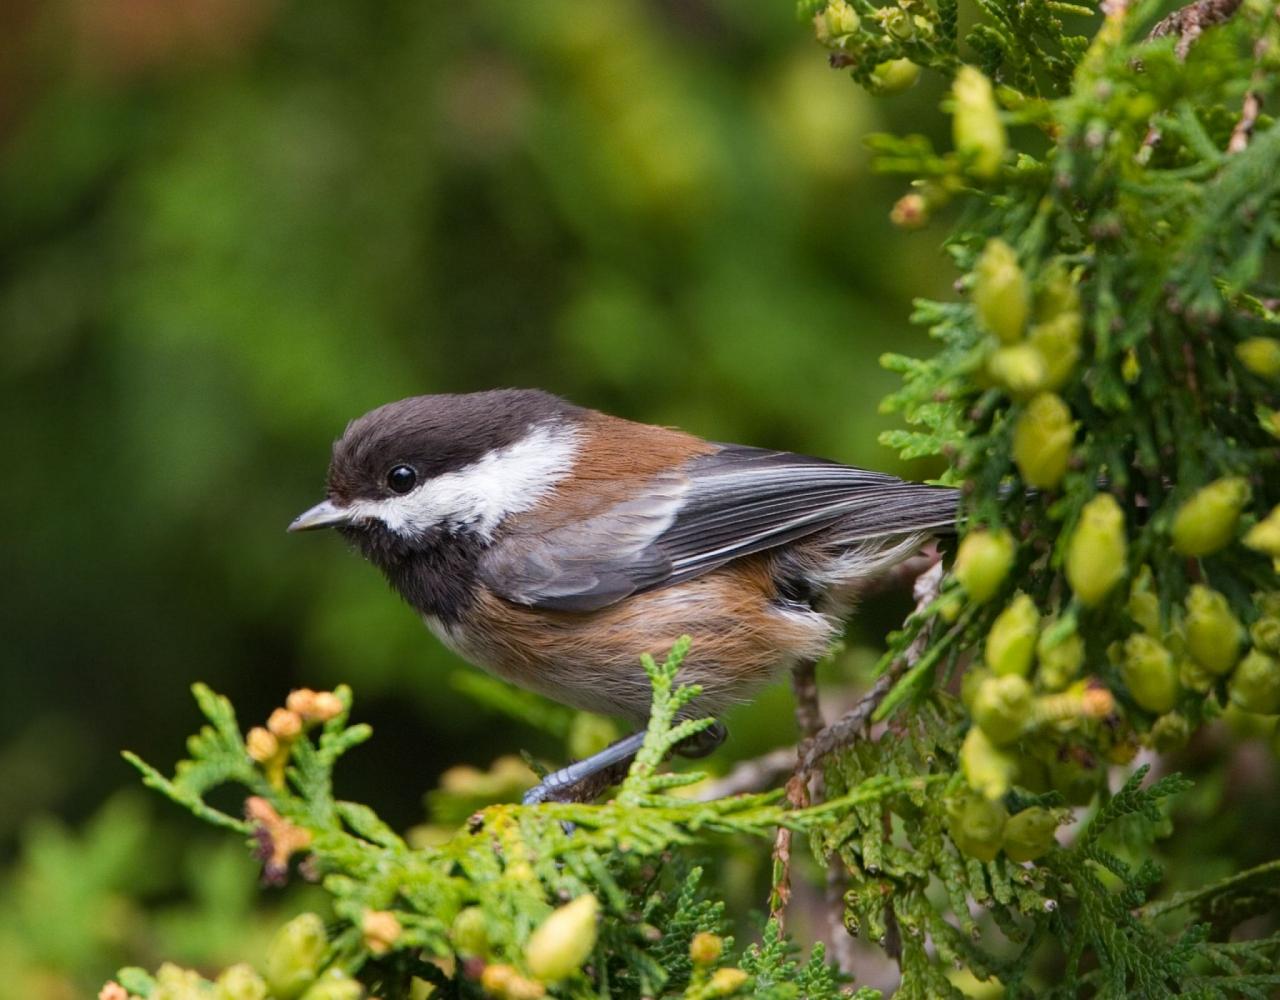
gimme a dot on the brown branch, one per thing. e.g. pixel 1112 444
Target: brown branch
pixel 1244 127
pixel 849 726
pixel 818 741
pixel 809 721
pixel 1189 22
pixel 1252 105
pixel 762 773
pixel 804 682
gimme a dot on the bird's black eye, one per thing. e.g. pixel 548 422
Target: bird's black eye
pixel 401 479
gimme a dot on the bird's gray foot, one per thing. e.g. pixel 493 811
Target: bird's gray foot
pixel 584 780
pixel 581 780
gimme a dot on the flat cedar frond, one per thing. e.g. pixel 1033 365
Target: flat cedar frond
pixel 513 863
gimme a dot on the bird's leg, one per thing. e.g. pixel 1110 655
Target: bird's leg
pixel 562 785
pixel 584 779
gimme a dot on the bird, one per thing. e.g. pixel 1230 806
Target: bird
pixel 553 545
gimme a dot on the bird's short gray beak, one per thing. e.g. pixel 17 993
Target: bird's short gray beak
pixel 325 514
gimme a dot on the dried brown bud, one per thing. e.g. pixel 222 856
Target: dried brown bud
pixel 506 982
pixel 1097 702
pixel 911 211
pixel 301 701
pixel 705 948
pixel 314 706
pixel 327 706
pixel 381 930
pixel 261 744
pixel 726 982
pixel 284 724
pixel 278 839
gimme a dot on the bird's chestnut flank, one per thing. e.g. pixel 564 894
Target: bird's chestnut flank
pixel 553 545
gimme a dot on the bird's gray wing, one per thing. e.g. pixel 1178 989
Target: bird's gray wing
pixel 716 508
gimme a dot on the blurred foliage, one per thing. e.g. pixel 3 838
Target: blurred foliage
pixel 227 227
pixel 473 911
pixel 116 891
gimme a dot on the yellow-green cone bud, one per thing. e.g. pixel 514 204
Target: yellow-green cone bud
pixel 174 983
pixel 841 19
pixel 1194 677
pixel 705 949
pixel 294 955
pixel 1170 732
pixel 1029 834
pixel 1265 634
pixel 1001 297
pixel 1255 686
pixel 982 562
pixel 1130 367
pixel 1057 341
pixel 976 825
pixel 334 984
pixel 896 22
pixel 240 982
pixel 564 940
pixel 1060 660
pixel 1207 521
pixel 971 683
pixel 1264 536
pixel 1214 634
pixel 1261 355
pixel 470 932
pixel 975 124
pixel 1019 369
pixel 1002 708
pixel 1144 604
pixel 726 982
pixel 1042 439
pixel 987 768
pixel 1057 293
pixel 1149 673
pixel 1097 551
pixel 1012 640
pixel 893 76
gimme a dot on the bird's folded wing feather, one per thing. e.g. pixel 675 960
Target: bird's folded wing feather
pixel 718 507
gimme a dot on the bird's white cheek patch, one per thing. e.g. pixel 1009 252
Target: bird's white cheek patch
pixel 480 495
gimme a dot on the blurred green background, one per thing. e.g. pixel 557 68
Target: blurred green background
pixel 229 226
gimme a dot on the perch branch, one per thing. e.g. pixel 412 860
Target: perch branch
pixel 855 721
pixel 1189 22
pixel 1252 104
pixel 809 721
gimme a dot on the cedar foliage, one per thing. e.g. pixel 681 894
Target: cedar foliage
pixel 1116 337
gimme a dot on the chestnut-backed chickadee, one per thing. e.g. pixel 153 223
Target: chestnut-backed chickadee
pixel 553 545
